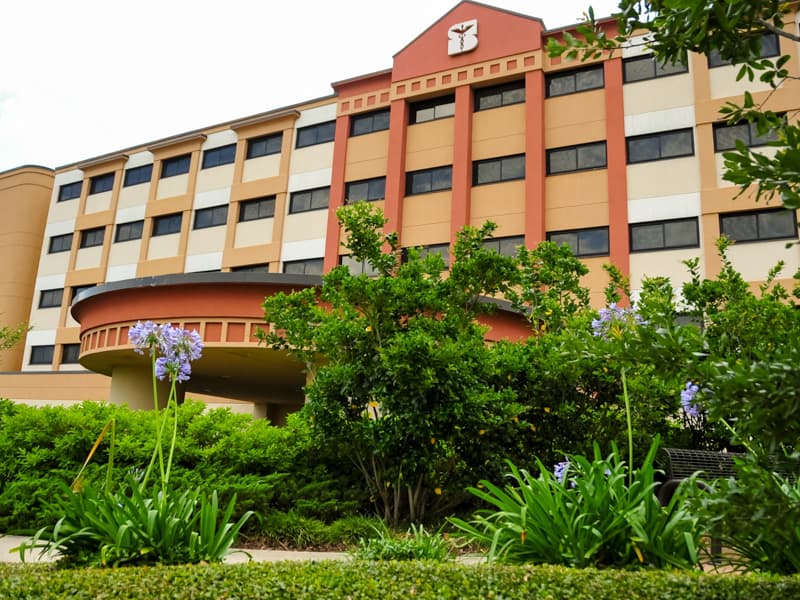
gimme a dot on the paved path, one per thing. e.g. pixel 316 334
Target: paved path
pixel 10 541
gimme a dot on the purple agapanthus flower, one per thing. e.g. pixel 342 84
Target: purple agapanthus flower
pixel 560 470
pixel 174 348
pixel 614 317
pixel 687 399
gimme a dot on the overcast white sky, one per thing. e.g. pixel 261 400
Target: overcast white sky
pixel 82 78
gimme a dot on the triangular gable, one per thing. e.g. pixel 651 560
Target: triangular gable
pixel 499 33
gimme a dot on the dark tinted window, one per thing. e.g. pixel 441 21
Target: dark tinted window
pixel 367 189
pixel 259 208
pixel 177 165
pixel 572 82
pixel 167 224
pixel 129 231
pixel 138 175
pixel 264 145
pixel 369 122
pixel 211 217
pixel 430 110
pixel 70 191
pixel 92 237
pixel 316 134
pixel 429 180
pixel 60 243
pixel 215 157
pixel 101 183
pixel 583 242
pixel 306 200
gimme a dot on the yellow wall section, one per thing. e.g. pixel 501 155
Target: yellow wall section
pixel 163 246
pixel 54 264
pixel 664 263
pixel 576 200
pixel 664 178
pixel 252 233
pixel 498 132
pixel 658 94
pixel 202 241
pixel 215 178
pixel 366 156
pixel 430 145
pixel 63 211
pixel 575 119
pixel 124 253
pixel 135 195
pixel 172 186
pixel 312 158
pixel 723 82
pixel 98 202
pixel 262 167
pixel 753 260
pixel 309 225
pixel 426 219
pixel 88 258
pixel 501 203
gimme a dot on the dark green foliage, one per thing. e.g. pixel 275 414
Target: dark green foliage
pixel 416 544
pixel 330 580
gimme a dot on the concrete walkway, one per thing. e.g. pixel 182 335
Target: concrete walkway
pixel 11 541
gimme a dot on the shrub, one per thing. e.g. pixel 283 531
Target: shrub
pixel 417 544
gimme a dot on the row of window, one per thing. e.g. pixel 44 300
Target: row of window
pixel 43 355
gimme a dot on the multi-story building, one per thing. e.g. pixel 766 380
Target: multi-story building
pixel 619 157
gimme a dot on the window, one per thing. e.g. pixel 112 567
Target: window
pixel 583 242
pixel 42 355
pixel 429 180
pixel 577 158
pixel 51 298
pixel 640 68
pixel 572 82
pixel 70 191
pixel 306 200
pixel 366 189
pixel 357 267
pixel 92 237
pixel 259 208
pixel 442 250
pixel 309 266
pixel 70 354
pixel 660 146
pixel 725 135
pixel 500 95
pixel 60 243
pixel 507 246
pixel 101 183
pixel 265 145
pixel 167 224
pixel 430 110
pixel 493 170
pixel 79 289
pixel 769 47
pixel 759 225
pixel 211 217
pixel 129 231
pixel 177 165
pixel 316 134
pixel 138 175
pixel 259 268
pixel 369 122
pixel 663 235
pixel 215 157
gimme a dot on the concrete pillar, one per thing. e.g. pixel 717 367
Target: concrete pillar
pixel 134 386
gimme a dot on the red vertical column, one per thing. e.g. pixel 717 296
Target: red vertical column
pixel 534 159
pixel 617 167
pixel 462 162
pixel 337 192
pixel 396 166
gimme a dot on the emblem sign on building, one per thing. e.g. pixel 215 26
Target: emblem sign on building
pixel 462 37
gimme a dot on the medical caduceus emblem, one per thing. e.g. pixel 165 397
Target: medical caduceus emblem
pixel 462 37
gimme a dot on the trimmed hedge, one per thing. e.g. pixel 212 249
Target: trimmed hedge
pixel 390 580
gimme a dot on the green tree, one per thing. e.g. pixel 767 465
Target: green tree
pixel 399 366
pixel 11 336
pixel 734 31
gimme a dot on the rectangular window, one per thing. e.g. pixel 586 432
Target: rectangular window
pixel 60 243
pixel 500 95
pixel 725 136
pixel 259 268
pixel 572 82
pixel 51 298
pixel 92 237
pixel 101 183
pixel 309 266
pixel 442 250
pixel 506 168
pixel 307 200
pixel 577 158
pixel 167 224
pixel 213 216
pixel 760 225
pixel 369 122
pixel 366 189
pixel 70 191
pixel 357 267
pixel 265 145
pixel 665 235
pixel 769 47
pixel 259 208
pixel 216 157
pixel 660 146
pixel 138 175
pixel 129 231
pixel 70 354
pixel 316 134
pixel 583 242
pixel 429 180
pixel 42 355
pixel 430 110
pixel 507 246
pixel 76 290
pixel 177 165
pixel 641 68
